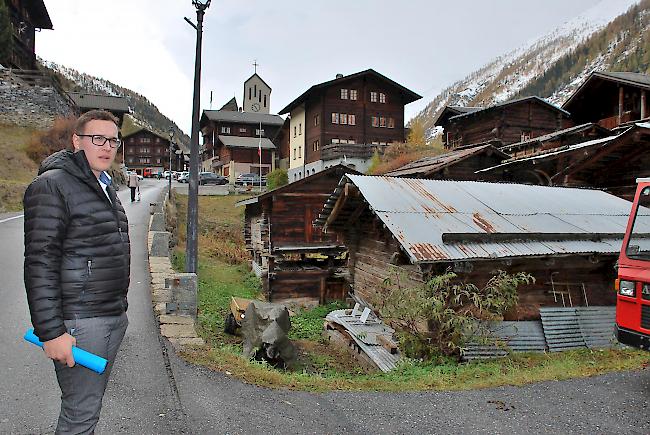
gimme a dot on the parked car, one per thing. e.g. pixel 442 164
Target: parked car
pixel 250 179
pixel 184 177
pixel 210 178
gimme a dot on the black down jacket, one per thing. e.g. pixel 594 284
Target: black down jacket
pixel 77 252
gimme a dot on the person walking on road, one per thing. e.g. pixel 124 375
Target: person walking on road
pixel 77 265
pixel 134 184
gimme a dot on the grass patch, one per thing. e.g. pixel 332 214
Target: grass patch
pixel 323 367
pixel 16 169
pixel 516 370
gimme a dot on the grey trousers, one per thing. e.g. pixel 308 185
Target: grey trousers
pixel 82 390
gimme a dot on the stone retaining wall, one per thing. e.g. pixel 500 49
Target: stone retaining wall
pixel 174 295
pixel 30 105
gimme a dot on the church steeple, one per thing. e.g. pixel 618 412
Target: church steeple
pixel 257 94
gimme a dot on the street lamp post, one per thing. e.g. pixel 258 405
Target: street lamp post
pixel 171 147
pixel 191 252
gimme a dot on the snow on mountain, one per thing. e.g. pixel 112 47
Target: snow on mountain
pixel 504 77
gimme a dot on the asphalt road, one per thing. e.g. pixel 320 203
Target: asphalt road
pixel 151 393
pixel 140 398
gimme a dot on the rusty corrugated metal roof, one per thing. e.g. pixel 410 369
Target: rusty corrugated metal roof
pixel 433 164
pixel 440 220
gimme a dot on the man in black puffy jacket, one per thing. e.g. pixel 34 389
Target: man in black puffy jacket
pixel 77 260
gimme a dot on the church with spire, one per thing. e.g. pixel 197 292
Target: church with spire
pixel 239 139
pixel 257 94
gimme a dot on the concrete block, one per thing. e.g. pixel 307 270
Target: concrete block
pixel 161 296
pixel 179 343
pixel 159 244
pixel 184 288
pixel 155 207
pixel 160 308
pixel 177 320
pixel 157 222
pixel 178 331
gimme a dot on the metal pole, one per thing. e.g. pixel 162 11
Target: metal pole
pixel 171 147
pixel 191 253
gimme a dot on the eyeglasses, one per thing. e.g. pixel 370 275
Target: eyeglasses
pixel 100 140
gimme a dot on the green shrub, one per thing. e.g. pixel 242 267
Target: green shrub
pixel 277 178
pixel 439 316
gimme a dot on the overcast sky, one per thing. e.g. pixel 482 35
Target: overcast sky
pixel 425 45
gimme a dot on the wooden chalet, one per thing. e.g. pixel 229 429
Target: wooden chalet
pixel 443 119
pixel 610 99
pixel 345 120
pixel 26 17
pixel 144 148
pixel 231 140
pixel 118 106
pixel 281 141
pixel 295 260
pixel 509 122
pixel 459 164
pixel 411 230
pixel 612 163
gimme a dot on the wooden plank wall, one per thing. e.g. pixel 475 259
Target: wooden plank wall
pixel 372 250
pixel 466 169
pixel 507 123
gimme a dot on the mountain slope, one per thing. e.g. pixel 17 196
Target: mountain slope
pixel 624 45
pixel 507 76
pixel 145 113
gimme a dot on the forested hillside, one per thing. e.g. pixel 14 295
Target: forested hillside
pixel 608 37
pixel 624 45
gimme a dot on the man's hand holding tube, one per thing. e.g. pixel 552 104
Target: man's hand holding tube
pixel 60 349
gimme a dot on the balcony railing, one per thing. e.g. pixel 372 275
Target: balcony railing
pixel 360 151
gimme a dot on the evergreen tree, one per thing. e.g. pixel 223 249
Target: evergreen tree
pixel 6 37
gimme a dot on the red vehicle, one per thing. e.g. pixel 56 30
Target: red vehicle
pixel 147 172
pixel 633 282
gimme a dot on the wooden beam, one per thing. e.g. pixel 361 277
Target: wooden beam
pixel 621 97
pixel 606 148
pixel 338 206
pixel 305 194
pixel 643 105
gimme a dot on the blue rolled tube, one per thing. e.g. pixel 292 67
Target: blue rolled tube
pixel 81 357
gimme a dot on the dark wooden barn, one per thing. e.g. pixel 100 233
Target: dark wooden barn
pixel 562 138
pixel 509 122
pixel 610 99
pixel 118 106
pixel 459 164
pixel 295 260
pixel 27 17
pixel 568 239
pixel 612 163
